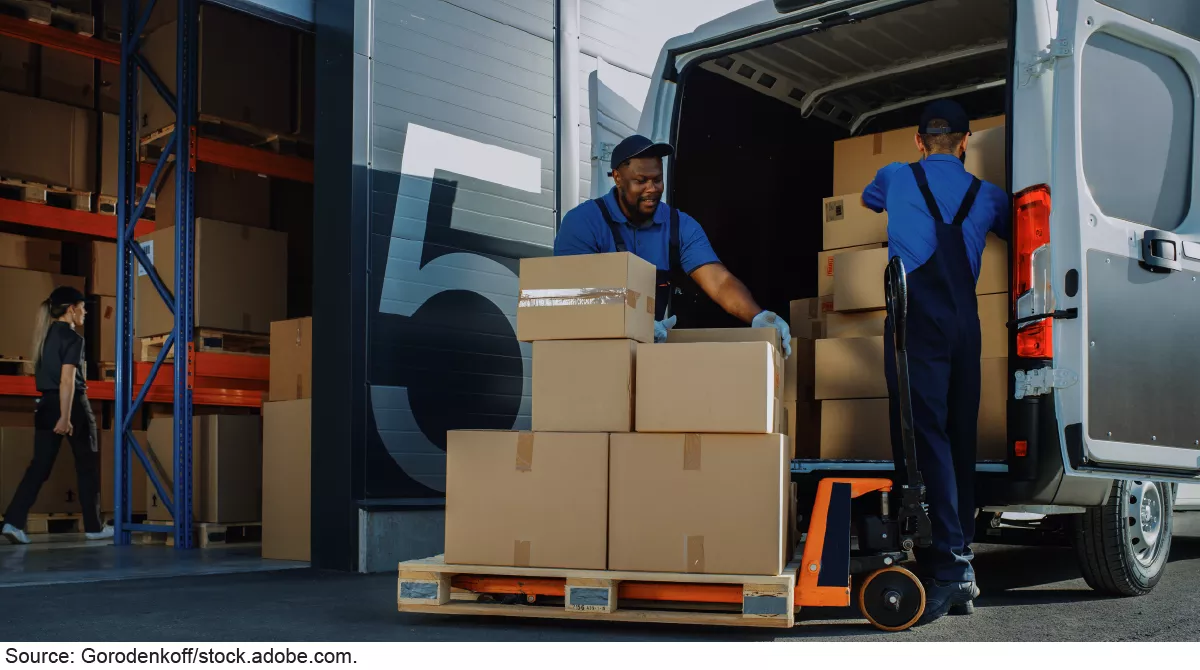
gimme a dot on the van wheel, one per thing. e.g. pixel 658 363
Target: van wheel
pixel 1123 544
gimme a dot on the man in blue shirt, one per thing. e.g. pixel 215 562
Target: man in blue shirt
pixel 938 218
pixel 632 217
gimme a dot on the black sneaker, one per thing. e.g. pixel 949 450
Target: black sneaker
pixel 967 608
pixel 941 597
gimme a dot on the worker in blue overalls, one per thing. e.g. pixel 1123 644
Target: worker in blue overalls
pixel 938 218
pixel 632 217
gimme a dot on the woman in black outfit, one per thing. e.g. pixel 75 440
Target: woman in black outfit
pixel 63 410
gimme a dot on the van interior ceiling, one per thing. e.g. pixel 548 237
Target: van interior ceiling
pixel 756 128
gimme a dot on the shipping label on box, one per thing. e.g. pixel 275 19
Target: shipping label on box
pixel 855 324
pixel 589 297
pixel 851 367
pixel 808 316
pixel 858 280
pixel 849 224
pixel 826 264
pixel 857 430
pixel 527 499
pixel 713 504
pixel 583 386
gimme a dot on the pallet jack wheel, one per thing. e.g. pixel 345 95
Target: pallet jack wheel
pixel 892 599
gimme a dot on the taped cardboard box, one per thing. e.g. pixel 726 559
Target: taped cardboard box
pixel 527 499
pixel 287 480
pixel 826 285
pixel 583 386
pixel 715 387
pixel 21 295
pixel 855 324
pixel 59 493
pixel 858 280
pixel 856 430
pixel 240 278
pixel 137 474
pixel 849 224
pixel 993 325
pixel 226 467
pixel 47 142
pixel 713 504
pixel 850 367
pixel 993 409
pixel 589 297
pixel 808 316
pixel 291 359
pixel 30 253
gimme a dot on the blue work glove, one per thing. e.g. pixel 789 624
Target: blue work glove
pixel 661 328
pixel 771 320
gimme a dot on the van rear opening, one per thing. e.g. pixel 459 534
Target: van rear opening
pixel 761 134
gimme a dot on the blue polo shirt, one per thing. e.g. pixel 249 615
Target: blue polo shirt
pixel 911 234
pixel 584 231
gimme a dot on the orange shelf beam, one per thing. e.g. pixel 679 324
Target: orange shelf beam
pixel 254 160
pixel 13 385
pixel 56 38
pixel 67 220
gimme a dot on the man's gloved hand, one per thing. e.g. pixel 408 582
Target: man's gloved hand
pixel 771 320
pixel 661 328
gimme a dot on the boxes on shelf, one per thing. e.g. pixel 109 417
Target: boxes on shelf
pixel 718 387
pixel 30 253
pixel 102 327
pixel 527 499
pixel 826 267
pixel 291 359
pixel 799 370
pixel 287 478
pixel 850 367
pixel 60 491
pixel 698 503
pixel 110 147
pixel 849 224
pixel 583 385
pixel 17 72
pixel 808 316
pixel 858 280
pixel 47 142
pixel 857 430
pixel 21 296
pixel 68 78
pixel 240 278
pixel 223 194
pixel 804 427
pixel 590 297
pixel 102 268
pixel 137 474
pixel 226 467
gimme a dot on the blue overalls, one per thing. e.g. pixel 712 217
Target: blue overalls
pixel 943 363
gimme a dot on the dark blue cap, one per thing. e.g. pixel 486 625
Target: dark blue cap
pixel 636 146
pixel 949 111
pixel 65 295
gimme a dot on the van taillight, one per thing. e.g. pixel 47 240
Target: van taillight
pixel 1031 233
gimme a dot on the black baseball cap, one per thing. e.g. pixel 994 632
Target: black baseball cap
pixel 949 111
pixel 66 295
pixel 636 146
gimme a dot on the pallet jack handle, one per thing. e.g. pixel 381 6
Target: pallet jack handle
pixel 913 519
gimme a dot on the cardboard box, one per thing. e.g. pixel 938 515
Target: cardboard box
pixel 849 224
pixel 137 474
pixel 713 504
pixel 102 268
pixel 291 359
pixel 855 324
pixel 850 367
pixel 986 151
pixel 47 142
pixel 689 335
pixel 223 194
pixel 21 295
pixel 59 493
pixel 717 387
pixel 591 297
pixel 68 78
pixel 825 267
pixel 858 280
pixel 583 386
pixel 993 410
pixel 226 467
pixel 856 430
pixel 110 85
pixel 30 253
pixel 17 72
pixel 110 147
pixel 104 332
pixel 857 159
pixel 240 278
pixel 527 499
pixel 804 428
pixel 993 325
pixel 993 267
pixel 287 480
pixel 798 371
pixel 808 316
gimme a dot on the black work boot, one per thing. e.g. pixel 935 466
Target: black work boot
pixel 967 608
pixel 942 597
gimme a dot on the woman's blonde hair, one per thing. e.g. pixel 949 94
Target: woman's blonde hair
pixel 47 314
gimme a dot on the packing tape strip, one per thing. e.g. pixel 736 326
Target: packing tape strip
pixel 650 305
pixel 577 297
pixel 524 452
pixel 691 451
pixel 521 553
pixel 695 553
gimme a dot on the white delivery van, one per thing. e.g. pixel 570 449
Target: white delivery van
pixel 1100 98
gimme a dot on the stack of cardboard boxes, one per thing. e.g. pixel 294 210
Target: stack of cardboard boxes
pixel 702 485
pixel 847 320
pixel 287 438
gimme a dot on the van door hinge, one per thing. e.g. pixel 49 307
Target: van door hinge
pixel 1059 48
pixel 1041 381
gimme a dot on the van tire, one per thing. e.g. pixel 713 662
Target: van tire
pixel 1105 544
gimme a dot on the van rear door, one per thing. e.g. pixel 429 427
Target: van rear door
pixel 1124 239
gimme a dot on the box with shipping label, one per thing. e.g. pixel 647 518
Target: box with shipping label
pixel 583 386
pixel 858 280
pixel 855 324
pixel 226 467
pixel 240 278
pixel 47 142
pixel 993 410
pixel 850 367
pixel 993 325
pixel 21 296
pixel 30 253
pixel 59 493
pixel 137 474
pixel 798 371
pixel 826 264
pixel 287 480
pixel 808 316
pixel 715 387
pixel 856 430
pixel 527 499
pixel 993 267
pixel 698 503
pixel 291 359
pixel 848 223
pixel 590 297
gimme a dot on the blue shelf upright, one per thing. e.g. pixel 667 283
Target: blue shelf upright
pixel 180 154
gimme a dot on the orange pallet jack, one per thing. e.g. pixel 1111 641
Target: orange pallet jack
pixel 890 596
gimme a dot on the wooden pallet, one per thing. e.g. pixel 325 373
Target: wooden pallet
pixel 47 14
pixel 212 341
pixel 41 524
pixel 431 586
pixel 234 132
pixel 210 535
pixel 106 372
pixel 44 194
pixel 107 205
